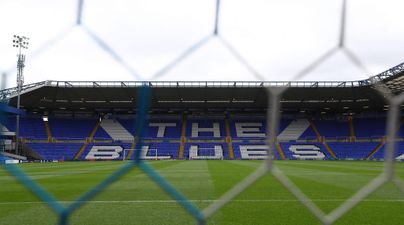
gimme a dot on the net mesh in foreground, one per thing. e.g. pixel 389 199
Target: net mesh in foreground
pixel 268 166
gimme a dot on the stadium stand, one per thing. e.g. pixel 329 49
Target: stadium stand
pixel 32 127
pixel 71 128
pixel 207 138
pixel 185 117
pixel 399 153
pixel 55 151
pixel 332 128
pixel 353 150
pixel 370 127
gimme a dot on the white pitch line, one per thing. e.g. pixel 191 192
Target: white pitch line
pixel 208 200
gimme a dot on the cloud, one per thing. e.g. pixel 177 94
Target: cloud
pixel 278 38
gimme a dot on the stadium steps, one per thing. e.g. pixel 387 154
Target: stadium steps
pixel 132 147
pixel 84 146
pixel 294 130
pixel 332 153
pixel 228 138
pixel 181 151
pixel 381 145
pixel 82 149
pixel 351 128
pixel 116 130
pixel 231 150
pixel 48 130
pixel 375 150
pixel 94 131
pixel 313 126
pixel 183 138
pixel 29 152
pixel 280 151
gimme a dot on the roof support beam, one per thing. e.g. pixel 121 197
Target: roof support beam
pixel 68 84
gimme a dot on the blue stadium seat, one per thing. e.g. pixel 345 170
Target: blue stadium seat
pixel 64 129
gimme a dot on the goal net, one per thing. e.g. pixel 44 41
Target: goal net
pixel 147 153
pixel 205 153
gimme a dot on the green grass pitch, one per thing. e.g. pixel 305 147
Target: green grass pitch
pixel 135 199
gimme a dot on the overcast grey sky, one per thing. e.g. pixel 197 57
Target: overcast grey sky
pixel 279 38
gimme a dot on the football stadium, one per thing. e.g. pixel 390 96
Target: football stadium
pixel 201 149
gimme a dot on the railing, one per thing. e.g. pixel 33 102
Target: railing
pixel 203 84
pixel 388 73
pixel 11 92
